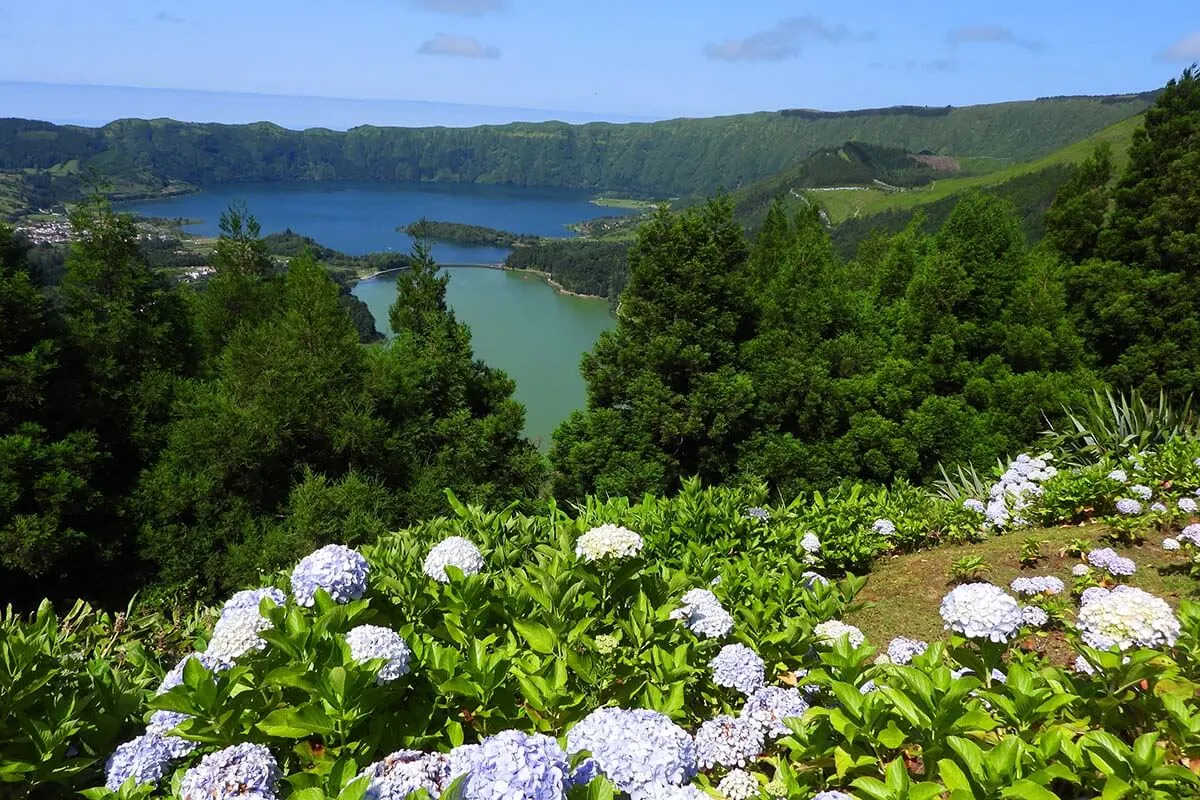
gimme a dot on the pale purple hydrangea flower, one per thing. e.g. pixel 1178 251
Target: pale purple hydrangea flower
pixel 759 514
pixel 769 706
pixel 833 794
pixel 971 504
pixel 1143 491
pixel 252 598
pixel 728 742
pixel 145 759
pixel 1084 666
pixel 1042 584
pixel 884 527
pixel 738 667
pixel 1158 508
pixel 1129 507
pixel 634 749
pixel 1187 505
pixel 1092 594
pixel 1079 570
pixel 162 723
pixel 515 764
pixel 210 661
pixel 1107 559
pixel 665 791
pixel 981 611
pixel 1190 533
pixel 1118 475
pixel 337 569
pixel 1171 544
pixel 244 771
pixel 404 772
pixel 902 651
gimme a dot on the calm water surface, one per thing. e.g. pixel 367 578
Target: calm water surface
pixel 518 322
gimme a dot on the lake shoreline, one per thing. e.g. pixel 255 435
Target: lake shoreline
pixel 545 276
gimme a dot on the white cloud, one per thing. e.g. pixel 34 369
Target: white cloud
pixel 1186 49
pixel 464 8
pixel 781 41
pixel 445 44
pixel 989 34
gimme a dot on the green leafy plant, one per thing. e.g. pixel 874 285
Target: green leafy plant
pixel 969 568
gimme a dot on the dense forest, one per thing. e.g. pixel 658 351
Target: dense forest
pixel 461 233
pixel 676 157
pixel 583 266
pixel 193 436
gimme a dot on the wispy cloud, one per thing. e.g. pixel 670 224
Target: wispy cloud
pixel 1186 49
pixel 445 44
pixel 168 18
pixel 463 8
pixel 989 34
pixel 915 65
pixel 784 40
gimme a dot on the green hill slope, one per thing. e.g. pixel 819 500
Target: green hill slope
pixel 677 157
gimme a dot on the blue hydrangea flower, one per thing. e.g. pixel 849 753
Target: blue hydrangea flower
pixel 738 667
pixel 236 773
pixel 1191 533
pixel 514 764
pixel 756 513
pixel 335 568
pixel 884 527
pixel 635 748
pixel 833 794
pixel 368 642
pixel 1187 505
pixel 404 772
pixel 1158 508
pixel 145 759
pixel 971 504
pixel 1092 594
pixel 665 791
pixel 902 651
pixel 769 706
pixel 728 742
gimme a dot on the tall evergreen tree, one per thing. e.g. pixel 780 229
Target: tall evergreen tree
pixel 666 396
pixel 1074 220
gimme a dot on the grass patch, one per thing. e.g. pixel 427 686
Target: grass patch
pixel 906 591
pixel 843 205
pixel 627 202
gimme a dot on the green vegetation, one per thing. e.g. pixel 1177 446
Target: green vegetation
pixel 470 235
pixel 677 157
pixel 582 266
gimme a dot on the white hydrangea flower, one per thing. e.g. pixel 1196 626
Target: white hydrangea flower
pixel 1142 491
pixel 703 614
pixel 1187 505
pixel 1118 475
pixel 828 633
pixel 1034 617
pixel 1079 570
pixel 454 551
pixel 884 527
pixel 237 633
pixel 739 785
pixel 1041 584
pixel 1190 533
pixel 981 611
pixel 738 667
pixel 1128 617
pixel 1170 544
pixel 971 504
pixel 1129 507
pixel 608 542
pixel 1158 508
pixel 369 642
pixel 810 543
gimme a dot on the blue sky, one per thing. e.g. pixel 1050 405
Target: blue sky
pixel 622 58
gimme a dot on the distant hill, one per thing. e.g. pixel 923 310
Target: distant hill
pixel 682 157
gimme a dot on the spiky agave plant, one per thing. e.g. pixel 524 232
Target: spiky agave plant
pixel 1113 423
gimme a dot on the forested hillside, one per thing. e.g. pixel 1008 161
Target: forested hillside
pixel 676 157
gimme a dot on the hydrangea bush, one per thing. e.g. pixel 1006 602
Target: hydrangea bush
pixel 715 658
